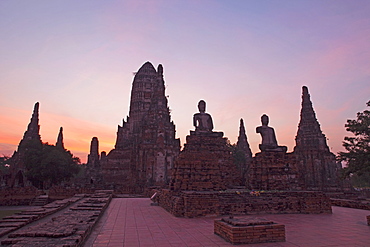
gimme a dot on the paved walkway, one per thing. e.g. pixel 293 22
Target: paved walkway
pixel 133 222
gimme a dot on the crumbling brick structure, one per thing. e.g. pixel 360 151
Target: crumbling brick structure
pixel 310 167
pixel 30 138
pixel 274 171
pixel 146 145
pixel 246 230
pixel 205 164
pixel 317 166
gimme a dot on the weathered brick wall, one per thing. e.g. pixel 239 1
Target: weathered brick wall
pixel 59 192
pixel 274 171
pixel 250 234
pixel 360 204
pixel 171 201
pixel 205 164
pixel 18 196
pixel 195 204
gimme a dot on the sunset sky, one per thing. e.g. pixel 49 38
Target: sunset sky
pixel 245 58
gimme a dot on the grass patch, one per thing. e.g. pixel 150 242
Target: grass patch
pixel 4 213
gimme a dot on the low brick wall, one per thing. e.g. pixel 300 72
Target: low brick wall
pixel 213 203
pixel 359 204
pixel 18 196
pixel 59 193
pixel 254 231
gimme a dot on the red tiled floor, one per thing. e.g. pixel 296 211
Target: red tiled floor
pixel 133 222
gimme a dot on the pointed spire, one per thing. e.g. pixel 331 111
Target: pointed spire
pixel 242 143
pixel 93 157
pixel 33 128
pixel 59 143
pixel 309 135
pixel 160 70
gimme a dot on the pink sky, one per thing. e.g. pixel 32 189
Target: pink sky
pixel 244 58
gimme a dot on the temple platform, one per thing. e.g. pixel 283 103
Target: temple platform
pixel 242 202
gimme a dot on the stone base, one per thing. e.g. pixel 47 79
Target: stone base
pixel 247 230
pixel 240 202
pixel 274 171
pixel 205 164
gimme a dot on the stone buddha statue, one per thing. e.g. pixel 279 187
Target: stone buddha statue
pixel 202 121
pixel 269 142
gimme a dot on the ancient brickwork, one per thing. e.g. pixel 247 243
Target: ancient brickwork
pixel 31 137
pixel 67 229
pixel 359 204
pixel 239 202
pixel 316 163
pixel 146 145
pixel 274 171
pixel 18 195
pixel 205 164
pixel 93 171
pixel 63 192
pixel 247 230
pixel 242 148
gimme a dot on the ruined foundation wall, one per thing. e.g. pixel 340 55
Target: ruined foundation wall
pixel 214 203
pixel 18 196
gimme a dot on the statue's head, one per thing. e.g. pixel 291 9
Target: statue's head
pixel 264 120
pixel 202 106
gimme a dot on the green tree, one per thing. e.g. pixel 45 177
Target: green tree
pixel 50 165
pixel 357 154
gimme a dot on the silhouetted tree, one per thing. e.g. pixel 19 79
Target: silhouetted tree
pixel 50 165
pixel 357 155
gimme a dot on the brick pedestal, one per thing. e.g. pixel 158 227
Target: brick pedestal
pixel 246 230
pixel 274 171
pixel 205 164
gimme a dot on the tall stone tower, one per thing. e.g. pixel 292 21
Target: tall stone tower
pixel 242 143
pixel 93 171
pixel 59 144
pixel 146 145
pixel 31 140
pixel 243 153
pixel 309 135
pixel 316 163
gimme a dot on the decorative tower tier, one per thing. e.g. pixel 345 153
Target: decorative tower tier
pixel 146 145
pixel 317 165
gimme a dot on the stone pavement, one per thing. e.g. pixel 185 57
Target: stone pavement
pixel 133 222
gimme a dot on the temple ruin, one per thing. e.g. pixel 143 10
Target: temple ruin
pixel 146 146
pixel 30 138
pixel 317 165
pixel 147 156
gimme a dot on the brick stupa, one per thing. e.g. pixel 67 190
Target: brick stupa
pixel 317 165
pixel 205 164
pixel 31 139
